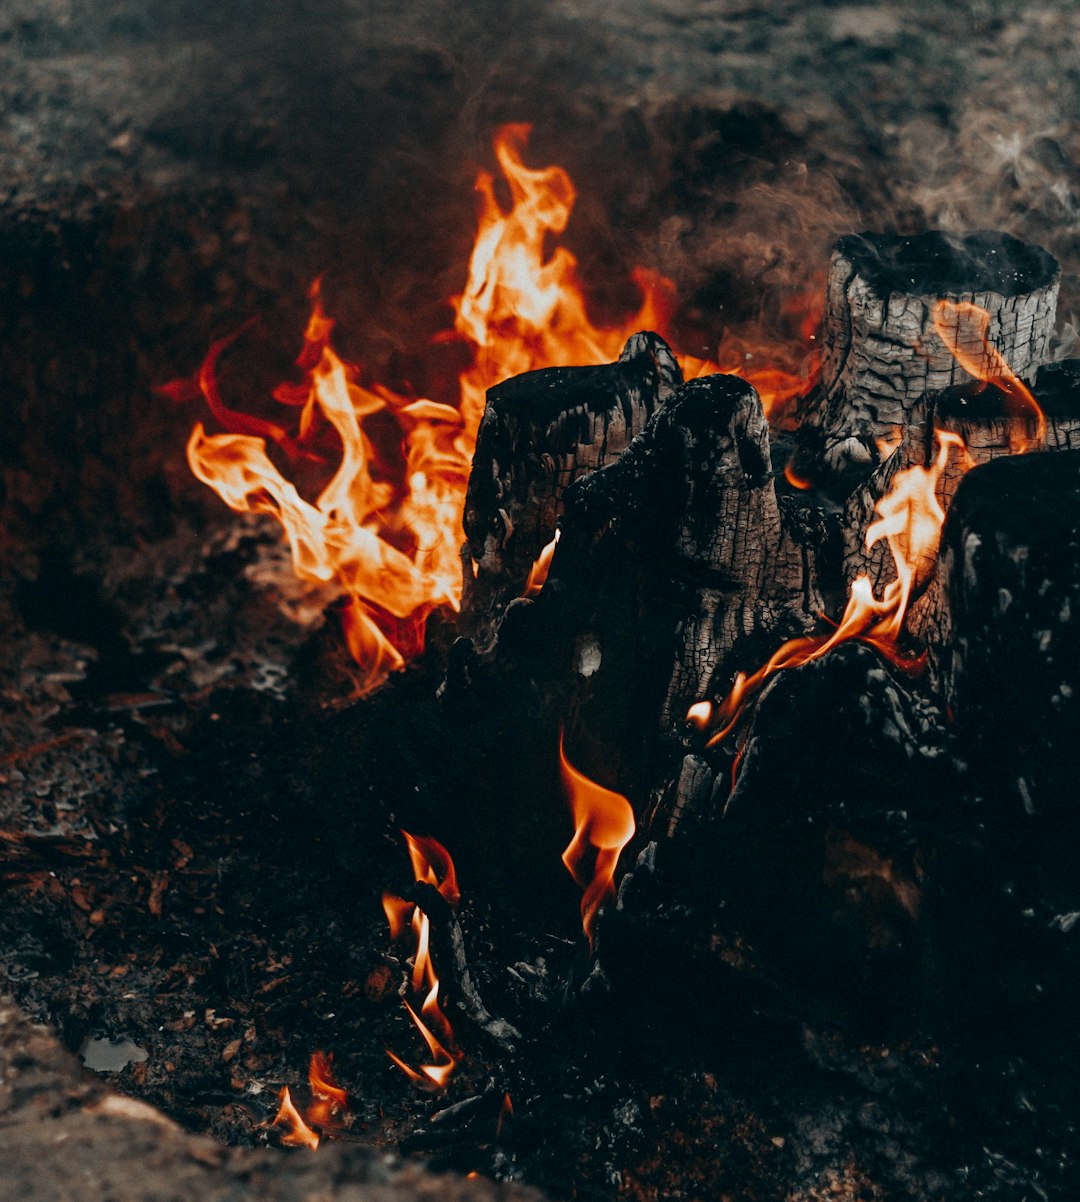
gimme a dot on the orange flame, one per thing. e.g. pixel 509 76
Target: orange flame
pixel 538 573
pixel 329 1097
pixel 965 329
pixel 431 863
pixel 794 479
pixel 321 1079
pixel 604 823
pixel 909 519
pixel 297 1134
pixel 506 1114
pixel 385 530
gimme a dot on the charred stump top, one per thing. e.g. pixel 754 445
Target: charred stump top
pixel 881 353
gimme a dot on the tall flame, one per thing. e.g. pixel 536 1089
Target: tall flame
pixel 431 864
pixel 603 824
pixel 909 519
pixel 384 532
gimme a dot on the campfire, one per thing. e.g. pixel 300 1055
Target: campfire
pixel 706 750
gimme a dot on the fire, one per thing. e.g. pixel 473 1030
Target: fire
pixel 431 864
pixel 329 1097
pixel 538 573
pixel 297 1134
pixel 384 532
pixel 965 329
pixel 909 519
pixel 604 823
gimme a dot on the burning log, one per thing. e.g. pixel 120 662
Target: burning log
pixel 983 425
pixel 541 431
pixel 882 350
pixel 825 868
pixel 669 559
pixel 1006 654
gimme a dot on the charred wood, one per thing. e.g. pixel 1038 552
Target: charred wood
pixel 448 944
pixel 1007 655
pixel 540 432
pixel 671 558
pixel 881 354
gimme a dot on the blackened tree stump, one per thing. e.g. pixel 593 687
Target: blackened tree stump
pixel 880 352
pixel 1007 652
pixel 540 432
pixel 670 559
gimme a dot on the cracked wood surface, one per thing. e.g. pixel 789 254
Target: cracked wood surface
pixel 980 417
pixel 540 432
pixel 688 525
pixel 880 352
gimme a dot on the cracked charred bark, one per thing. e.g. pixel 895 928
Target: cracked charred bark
pixel 880 353
pixel 984 419
pixel 541 431
pixel 671 559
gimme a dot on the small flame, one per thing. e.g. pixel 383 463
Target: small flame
pixel 398 912
pixel 794 479
pixel 700 714
pixel 321 1079
pixel 506 1114
pixel 431 864
pixel 604 823
pixel 384 532
pixel 538 573
pixel 909 519
pixel 296 1133
pixel 964 327
pixel 329 1098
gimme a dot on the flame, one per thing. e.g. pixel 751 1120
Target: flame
pixel 297 1134
pixel 321 1079
pixel 964 327
pixel 909 519
pixel 506 1114
pixel 384 531
pixel 603 822
pixel 431 864
pixel 794 479
pixel 329 1097
pixel 699 714
pixel 538 573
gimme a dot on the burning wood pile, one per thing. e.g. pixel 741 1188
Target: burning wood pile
pixel 684 563
pixel 775 649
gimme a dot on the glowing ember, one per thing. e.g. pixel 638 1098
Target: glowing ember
pixel 909 519
pixel 432 865
pixel 538 573
pixel 965 329
pixel 383 534
pixel 296 1133
pixel 604 824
